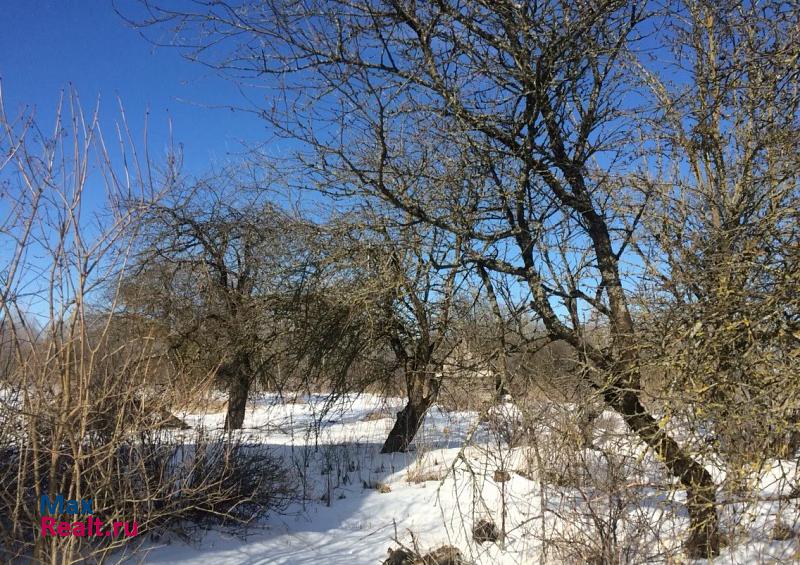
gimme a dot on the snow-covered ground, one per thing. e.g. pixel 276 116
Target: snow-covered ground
pixel 358 503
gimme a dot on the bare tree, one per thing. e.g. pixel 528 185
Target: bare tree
pixel 404 279
pixel 216 272
pixel 418 311
pixel 516 127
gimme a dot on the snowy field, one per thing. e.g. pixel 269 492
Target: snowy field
pixel 357 503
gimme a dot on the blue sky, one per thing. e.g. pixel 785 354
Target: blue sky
pixel 47 45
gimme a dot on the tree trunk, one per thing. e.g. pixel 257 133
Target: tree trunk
pixel 410 418
pixel 237 401
pixel 500 391
pixel 405 427
pixel 703 541
pixel 623 397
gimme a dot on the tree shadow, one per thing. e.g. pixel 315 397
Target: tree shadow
pixel 345 484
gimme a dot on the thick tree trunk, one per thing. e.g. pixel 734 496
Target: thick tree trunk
pixel 405 427
pixel 703 541
pixel 237 401
pixel 409 419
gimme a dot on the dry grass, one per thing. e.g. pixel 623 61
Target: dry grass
pixel 376 415
pixel 416 475
pixel 202 405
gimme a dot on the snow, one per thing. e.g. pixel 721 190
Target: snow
pixel 437 491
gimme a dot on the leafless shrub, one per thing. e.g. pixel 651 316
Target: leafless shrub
pixel 604 524
pixel 86 407
pixel 507 423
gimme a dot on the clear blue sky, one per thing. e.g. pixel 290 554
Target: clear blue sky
pixel 47 45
